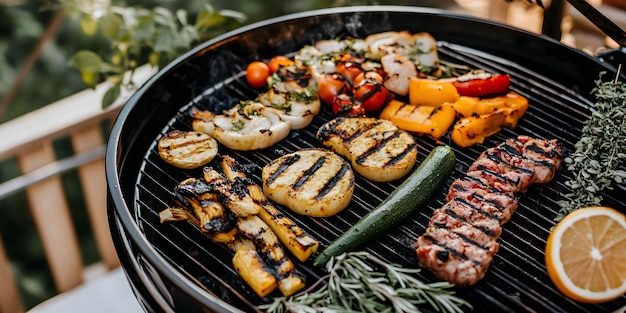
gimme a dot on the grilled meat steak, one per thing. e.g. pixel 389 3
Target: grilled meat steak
pixel 379 150
pixel 314 182
pixel 461 238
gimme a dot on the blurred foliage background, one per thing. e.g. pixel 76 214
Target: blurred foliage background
pixel 24 25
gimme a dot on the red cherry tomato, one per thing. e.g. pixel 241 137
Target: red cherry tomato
pixel 479 87
pixel 349 67
pixel 371 94
pixel 330 85
pixel 369 76
pixel 343 105
pixel 278 61
pixel 257 73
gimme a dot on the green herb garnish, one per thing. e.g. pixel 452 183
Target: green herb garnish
pixel 305 96
pixel 600 153
pixel 237 125
pixel 353 285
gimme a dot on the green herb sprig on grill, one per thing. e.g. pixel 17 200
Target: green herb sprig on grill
pixel 360 282
pixel 599 158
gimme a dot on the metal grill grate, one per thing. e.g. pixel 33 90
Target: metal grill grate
pixel 516 280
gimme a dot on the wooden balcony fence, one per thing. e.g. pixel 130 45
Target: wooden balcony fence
pixel 29 139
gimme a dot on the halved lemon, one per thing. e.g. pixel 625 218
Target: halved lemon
pixel 586 255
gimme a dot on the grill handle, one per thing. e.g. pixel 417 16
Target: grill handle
pixel 597 18
pixel 607 26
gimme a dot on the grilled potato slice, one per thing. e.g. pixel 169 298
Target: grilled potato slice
pixel 187 149
pixel 379 150
pixel 314 182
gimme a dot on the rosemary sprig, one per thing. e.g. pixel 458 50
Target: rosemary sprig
pixel 600 154
pixel 361 282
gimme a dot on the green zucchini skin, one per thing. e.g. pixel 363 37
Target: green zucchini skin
pixel 410 196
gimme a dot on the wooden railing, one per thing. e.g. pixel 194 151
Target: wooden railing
pixel 29 140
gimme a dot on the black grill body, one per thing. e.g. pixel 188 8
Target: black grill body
pixel 173 267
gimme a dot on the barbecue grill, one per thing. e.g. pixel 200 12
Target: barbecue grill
pixel 174 267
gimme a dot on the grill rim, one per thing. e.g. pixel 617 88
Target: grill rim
pixel 122 203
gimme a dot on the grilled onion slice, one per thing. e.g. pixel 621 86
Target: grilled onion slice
pixel 187 149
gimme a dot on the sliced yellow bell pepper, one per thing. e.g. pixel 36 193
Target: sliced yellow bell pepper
pixel 516 106
pixel 512 104
pixel 431 92
pixel 427 120
pixel 473 130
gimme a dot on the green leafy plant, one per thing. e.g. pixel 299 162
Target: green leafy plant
pixel 139 36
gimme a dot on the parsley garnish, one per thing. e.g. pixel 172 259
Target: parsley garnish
pixel 237 125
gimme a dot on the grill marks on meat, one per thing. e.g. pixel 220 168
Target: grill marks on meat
pixel 461 238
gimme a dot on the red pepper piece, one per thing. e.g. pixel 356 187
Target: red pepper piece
pixel 481 87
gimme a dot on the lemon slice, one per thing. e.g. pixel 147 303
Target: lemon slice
pixel 586 255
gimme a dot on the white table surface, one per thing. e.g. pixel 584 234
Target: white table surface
pixel 110 293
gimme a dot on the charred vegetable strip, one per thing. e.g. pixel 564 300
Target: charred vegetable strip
pixel 267 244
pixel 236 199
pixel 252 269
pixel 212 218
pixel 290 234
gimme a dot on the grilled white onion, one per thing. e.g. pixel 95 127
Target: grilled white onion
pixel 249 128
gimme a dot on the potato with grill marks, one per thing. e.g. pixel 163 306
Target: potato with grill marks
pixel 377 149
pixel 314 182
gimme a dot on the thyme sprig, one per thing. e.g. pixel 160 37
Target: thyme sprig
pixel 600 154
pixel 361 282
